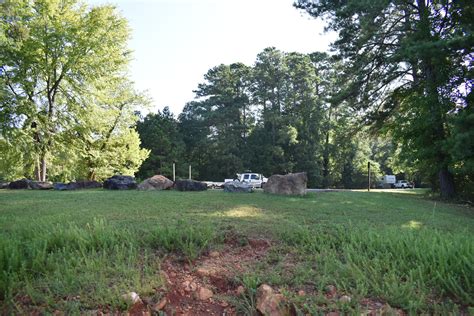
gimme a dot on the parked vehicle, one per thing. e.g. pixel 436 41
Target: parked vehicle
pixel 402 184
pixel 386 182
pixel 257 180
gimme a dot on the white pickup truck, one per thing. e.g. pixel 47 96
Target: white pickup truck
pixel 257 180
pixel 402 184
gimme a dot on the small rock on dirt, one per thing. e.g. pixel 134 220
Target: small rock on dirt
pixel 159 306
pixel 301 293
pixel 224 304
pixel 330 290
pixel 214 254
pixel 132 297
pixel 269 303
pixel 345 299
pixel 204 272
pixel 240 290
pixel 204 294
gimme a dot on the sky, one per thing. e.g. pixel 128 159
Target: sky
pixel 175 42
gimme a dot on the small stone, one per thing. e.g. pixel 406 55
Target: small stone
pixel 204 272
pixel 204 294
pixel 132 297
pixel 214 254
pixel 185 284
pixel 160 305
pixel 224 304
pixel 345 299
pixel 269 303
pixel 331 290
pixel 301 293
pixel 172 274
pixel 240 290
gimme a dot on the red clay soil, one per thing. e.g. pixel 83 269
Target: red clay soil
pixel 216 272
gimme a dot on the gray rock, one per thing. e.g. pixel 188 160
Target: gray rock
pixel 87 184
pixel 4 185
pixel 76 185
pixel 19 184
pixel 59 186
pixel 237 186
pixel 38 185
pixel 290 184
pixel 190 185
pixel 119 182
pixel 157 182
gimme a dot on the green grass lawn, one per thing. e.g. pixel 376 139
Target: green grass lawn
pixel 75 251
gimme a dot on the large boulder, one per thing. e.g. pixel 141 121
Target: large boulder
pixel 59 186
pixel 119 182
pixel 4 185
pixel 237 186
pixel 87 184
pixel 39 185
pixel 190 185
pixel 290 184
pixel 30 184
pixel 77 185
pixel 157 182
pixel 19 184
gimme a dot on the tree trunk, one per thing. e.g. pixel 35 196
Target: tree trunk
pixel 326 162
pixel 438 113
pixel 91 176
pixel 43 167
pixel 446 183
pixel 37 170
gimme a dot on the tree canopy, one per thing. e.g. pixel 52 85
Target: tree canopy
pixel 275 116
pixel 408 67
pixel 66 104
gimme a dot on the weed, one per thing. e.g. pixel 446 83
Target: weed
pixel 185 238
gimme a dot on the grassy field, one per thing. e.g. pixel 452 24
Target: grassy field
pixel 77 251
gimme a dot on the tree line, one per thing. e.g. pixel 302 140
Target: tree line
pixel 396 91
pixel 276 116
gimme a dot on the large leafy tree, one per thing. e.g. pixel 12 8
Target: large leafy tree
pixel 408 63
pixel 62 69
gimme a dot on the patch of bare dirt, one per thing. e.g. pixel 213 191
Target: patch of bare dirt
pixel 201 289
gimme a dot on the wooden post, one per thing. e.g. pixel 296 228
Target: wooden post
pixel 174 172
pixel 368 176
pixel 190 172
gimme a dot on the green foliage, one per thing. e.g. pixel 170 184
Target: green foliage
pixel 407 68
pixel 462 144
pixel 274 117
pixel 65 99
pixel 184 238
pixel 397 268
pixel 159 133
pixel 95 262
